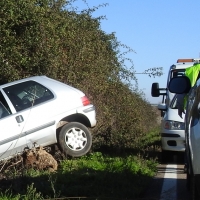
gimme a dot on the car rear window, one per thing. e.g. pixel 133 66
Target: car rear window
pixel 27 94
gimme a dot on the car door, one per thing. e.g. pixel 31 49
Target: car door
pixel 193 133
pixel 34 103
pixel 12 141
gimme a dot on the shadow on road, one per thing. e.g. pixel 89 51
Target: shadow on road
pixel 170 180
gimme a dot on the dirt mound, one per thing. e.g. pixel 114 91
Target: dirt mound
pixel 40 159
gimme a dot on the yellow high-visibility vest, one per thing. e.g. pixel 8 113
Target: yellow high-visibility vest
pixel 192 73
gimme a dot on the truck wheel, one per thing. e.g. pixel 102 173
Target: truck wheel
pixel 75 139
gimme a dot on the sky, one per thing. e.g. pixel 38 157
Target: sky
pixel 159 31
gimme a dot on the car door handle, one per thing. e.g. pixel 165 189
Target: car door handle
pixel 19 118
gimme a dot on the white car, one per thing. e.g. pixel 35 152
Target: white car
pixel 40 111
pixel 192 131
pixel 172 131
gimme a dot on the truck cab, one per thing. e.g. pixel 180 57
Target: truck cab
pixel 172 125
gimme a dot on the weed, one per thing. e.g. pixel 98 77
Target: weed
pixel 93 176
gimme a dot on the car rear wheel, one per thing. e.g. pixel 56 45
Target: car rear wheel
pixel 75 139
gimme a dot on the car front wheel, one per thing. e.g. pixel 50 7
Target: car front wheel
pixel 193 191
pixel 75 139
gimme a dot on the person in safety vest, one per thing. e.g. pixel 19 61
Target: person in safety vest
pixel 193 73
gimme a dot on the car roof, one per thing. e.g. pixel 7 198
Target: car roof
pixel 47 82
pixel 21 80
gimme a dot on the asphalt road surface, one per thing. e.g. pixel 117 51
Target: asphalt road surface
pixel 169 183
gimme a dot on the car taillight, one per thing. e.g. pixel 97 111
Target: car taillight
pixel 85 101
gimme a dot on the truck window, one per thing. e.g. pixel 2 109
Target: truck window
pixel 177 72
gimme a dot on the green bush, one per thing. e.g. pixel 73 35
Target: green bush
pixel 43 37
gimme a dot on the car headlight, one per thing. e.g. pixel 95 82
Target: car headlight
pixel 173 125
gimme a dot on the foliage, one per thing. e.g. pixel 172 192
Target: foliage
pixel 151 138
pixel 49 37
pixel 95 176
pixel 7 195
pixel 156 71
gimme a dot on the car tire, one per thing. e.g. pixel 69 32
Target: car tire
pixel 194 186
pixel 197 182
pixel 193 190
pixel 188 182
pixel 75 139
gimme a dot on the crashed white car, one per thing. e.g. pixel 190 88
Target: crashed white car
pixel 41 111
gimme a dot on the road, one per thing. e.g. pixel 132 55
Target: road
pixel 169 183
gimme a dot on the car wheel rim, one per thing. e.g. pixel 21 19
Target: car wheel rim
pixel 76 139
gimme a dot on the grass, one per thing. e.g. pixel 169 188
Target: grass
pixel 120 175
pixel 95 177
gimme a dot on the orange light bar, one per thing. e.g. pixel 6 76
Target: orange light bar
pixel 185 60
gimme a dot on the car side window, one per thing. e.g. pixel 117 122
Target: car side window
pixel 27 94
pixel 4 108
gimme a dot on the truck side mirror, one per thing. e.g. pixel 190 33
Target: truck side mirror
pixel 155 92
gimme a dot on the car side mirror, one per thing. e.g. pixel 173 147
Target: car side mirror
pixel 180 85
